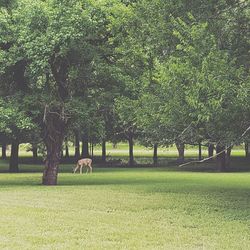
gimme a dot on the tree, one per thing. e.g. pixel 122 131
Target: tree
pixel 58 39
pixel 126 112
pixel 15 124
pixel 213 94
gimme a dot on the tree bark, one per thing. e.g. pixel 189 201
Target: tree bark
pixel 77 146
pixel 155 157
pixel 200 152
pixel 104 156
pixel 181 150
pixel 92 150
pixel 66 148
pixel 221 158
pixel 131 150
pixel 35 154
pixel 4 155
pixel 85 147
pixel 13 166
pixel 55 125
pixel 247 150
pixel 210 150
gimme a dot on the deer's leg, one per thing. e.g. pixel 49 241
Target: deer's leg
pixel 81 169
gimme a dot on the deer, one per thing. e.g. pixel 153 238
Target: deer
pixel 86 162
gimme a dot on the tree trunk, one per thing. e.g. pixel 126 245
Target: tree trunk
pixel 77 146
pixel 34 151
pixel 200 152
pixel 210 150
pixel 228 156
pixel 66 148
pixel 155 157
pixel 181 150
pixel 4 155
pixel 104 151
pixel 131 150
pixel 13 166
pixel 55 125
pixel 85 147
pixel 247 150
pixel 92 150
pixel 221 158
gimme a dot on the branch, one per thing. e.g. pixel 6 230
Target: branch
pixel 45 113
pixel 211 157
pixel 184 131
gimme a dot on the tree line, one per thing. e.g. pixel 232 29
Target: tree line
pixel 159 72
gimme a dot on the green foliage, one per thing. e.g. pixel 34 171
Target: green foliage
pixel 126 110
pixel 13 121
pixel 161 70
pixel 198 91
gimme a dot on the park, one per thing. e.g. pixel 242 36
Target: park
pixel 124 124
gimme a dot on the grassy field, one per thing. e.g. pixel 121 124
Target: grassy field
pixel 125 209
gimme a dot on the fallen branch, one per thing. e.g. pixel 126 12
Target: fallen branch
pixel 211 157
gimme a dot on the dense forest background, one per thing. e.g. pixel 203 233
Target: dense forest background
pixel 156 72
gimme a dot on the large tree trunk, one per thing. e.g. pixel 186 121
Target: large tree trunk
pixel 131 150
pixel 181 150
pixel 66 148
pixel 55 120
pixel 4 155
pixel 77 146
pixel 210 150
pixel 85 147
pixel 247 150
pixel 103 151
pixel 200 152
pixel 54 134
pixel 13 167
pixel 221 158
pixel 155 157
pixel 35 154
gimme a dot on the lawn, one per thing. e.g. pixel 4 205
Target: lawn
pixel 126 209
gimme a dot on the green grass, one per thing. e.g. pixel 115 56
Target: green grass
pixel 126 209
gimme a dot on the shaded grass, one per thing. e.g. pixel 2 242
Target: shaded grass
pixel 237 164
pixel 126 209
